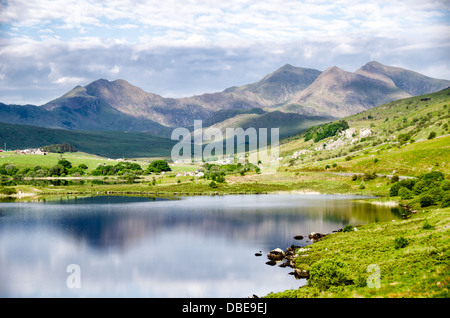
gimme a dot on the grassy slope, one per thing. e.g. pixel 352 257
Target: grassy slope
pixel 416 117
pixel 421 268
pixel 418 270
pixel 112 144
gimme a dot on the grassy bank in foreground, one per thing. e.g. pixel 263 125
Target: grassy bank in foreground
pixel 410 257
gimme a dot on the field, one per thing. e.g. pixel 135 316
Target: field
pixel 76 158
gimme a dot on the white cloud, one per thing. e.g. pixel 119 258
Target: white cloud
pixel 186 47
pixel 268 20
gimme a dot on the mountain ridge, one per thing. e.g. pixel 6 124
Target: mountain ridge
pixel 119 105
pixel 341 93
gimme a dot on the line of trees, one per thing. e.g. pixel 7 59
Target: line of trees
pixel 65 168
pixel 318 133
pixel 60 148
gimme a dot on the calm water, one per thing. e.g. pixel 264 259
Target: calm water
pixel 151 247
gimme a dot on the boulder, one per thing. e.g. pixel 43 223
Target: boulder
pixel 276 254
pixel 301 273
pixel 316 236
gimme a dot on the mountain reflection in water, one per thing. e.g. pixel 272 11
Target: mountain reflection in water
pixel 199 246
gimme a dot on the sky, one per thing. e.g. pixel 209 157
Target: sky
pixel 183 48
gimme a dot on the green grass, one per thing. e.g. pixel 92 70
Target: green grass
pixel 412 155
pixel 113 144
pixel 419 269
pixel 76 158
pixel 167 184
pixel 408 160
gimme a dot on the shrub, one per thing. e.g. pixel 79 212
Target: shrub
pixel 407 183
pixel 420 187
pixel 318 133
pixel 213 184
pixel 327 273
pixel 433 176
pixel 426 200
pixel 220 178
pixel 432 135
pixel 395 178
pixel 65 163
pixel 446 200
pixel 57 170
pixel 362 185
pixel 8 191
pixel 445 185
pixel 393 191
pixel 126 166
pixel 103 170
pixel 158 166
pixel 369 176
pixel 347 228
pixel 404 193
pixel 44 172
pixel 11 169
pixel 75 170
pixel 400 242
pixel 427 226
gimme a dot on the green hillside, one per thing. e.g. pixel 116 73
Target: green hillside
pixel 405 137
pixel 111 144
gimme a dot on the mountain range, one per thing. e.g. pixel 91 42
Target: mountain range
pixel 290 97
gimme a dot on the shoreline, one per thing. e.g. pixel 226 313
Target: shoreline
pixel 415 269
pixel 285 183
pixel 370 244
pixel 41 195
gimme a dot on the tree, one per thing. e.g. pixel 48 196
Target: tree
pixel 65 163
pixel 60 148
pixel 158 165
pixel 103 170
pixel 426 200
pixel 57 170
pixel 11 169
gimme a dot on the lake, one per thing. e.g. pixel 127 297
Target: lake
pixel 201 246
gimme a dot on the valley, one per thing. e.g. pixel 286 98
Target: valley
pixel 395 149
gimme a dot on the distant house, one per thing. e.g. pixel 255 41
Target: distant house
pixel 32 152
pixel 39 152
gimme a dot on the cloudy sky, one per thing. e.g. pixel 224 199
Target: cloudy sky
pixel 182 48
